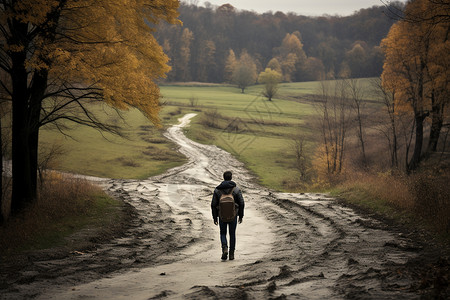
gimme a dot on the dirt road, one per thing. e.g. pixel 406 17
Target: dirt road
pixel 294 246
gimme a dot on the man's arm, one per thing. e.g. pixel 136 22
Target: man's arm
pixel 214 204
pixel 241 203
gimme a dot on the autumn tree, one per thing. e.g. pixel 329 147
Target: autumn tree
pixel 244 73
pixel 416 67
pixel 333 119
pixel 61 56
pixel 230 64
pixel 275 65
pixel 167 48
pixel 185 55
pixel 313 70
pixel 356 59
pixel 270 78
pixel 206 60
pixel 290 55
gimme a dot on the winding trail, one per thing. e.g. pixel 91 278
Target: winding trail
pixel 298 246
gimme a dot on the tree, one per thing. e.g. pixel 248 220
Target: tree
pixel 291 55
pixel 333 118
pixel 244 73
pixel 313 70
pixel 275 65
pixel 185 55
pixel 357 59
pixel 206 61
pixel 270 79
pixel 167 48
pixel 416 67
pixel 388 99
pixel 230 64
pixel 62 55
pixel 437 12
pixel 355 92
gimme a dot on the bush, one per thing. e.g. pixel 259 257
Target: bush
pixel 210 118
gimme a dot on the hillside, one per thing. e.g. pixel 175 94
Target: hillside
pixel 198 50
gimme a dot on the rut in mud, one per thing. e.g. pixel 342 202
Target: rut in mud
pixel 303 246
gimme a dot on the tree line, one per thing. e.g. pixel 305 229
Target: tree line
pixel 307 48
pixel 414 93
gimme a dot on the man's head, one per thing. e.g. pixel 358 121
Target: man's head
pixel 227 176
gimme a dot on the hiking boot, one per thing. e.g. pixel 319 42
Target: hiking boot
pixel 224 252
pixel 231 255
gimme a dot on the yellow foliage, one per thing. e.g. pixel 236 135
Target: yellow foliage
pixel 102 44
pixel 269 76
pixel 290 54
pixel 320 162
pixel 417 61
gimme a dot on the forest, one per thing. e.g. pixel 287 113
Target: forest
pixel 306 48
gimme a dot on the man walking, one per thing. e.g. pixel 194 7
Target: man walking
pixel 225 215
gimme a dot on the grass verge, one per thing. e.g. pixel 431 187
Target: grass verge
pixel 142 153
pixel 419 201
pixel 66 205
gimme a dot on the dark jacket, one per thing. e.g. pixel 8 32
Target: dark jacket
pixel 225 187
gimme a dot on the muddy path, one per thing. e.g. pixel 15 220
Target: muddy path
pixel 290 246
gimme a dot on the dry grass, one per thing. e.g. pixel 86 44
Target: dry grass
pixel 127 162
pixel 421 199
pixel 431 194
pixel 65 204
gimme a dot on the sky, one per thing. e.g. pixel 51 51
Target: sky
pixel 300 7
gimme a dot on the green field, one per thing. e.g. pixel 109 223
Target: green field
pixel 258 132
pixel 143 151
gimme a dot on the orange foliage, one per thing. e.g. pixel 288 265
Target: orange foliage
pixel 417 61
pixel 103 44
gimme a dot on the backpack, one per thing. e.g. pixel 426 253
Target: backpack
pixel 227 207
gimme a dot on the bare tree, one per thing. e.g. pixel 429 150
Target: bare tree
pixel 47 159
pixel 437 12
pixel 298 147
pixel 388 100
pixel 334 117
pixel 355 92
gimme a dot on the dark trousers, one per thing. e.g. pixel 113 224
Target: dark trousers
pixel 223 233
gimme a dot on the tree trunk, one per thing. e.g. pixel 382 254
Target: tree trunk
pixel 419 117
pixel 37 91
pixel 2 216
pixel 22 187
pixel 417 155
pixel 436 125
pixel 361 139
pixel 394 145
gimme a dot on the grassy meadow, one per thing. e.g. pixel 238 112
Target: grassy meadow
pixel 140 153
pixel 258 132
